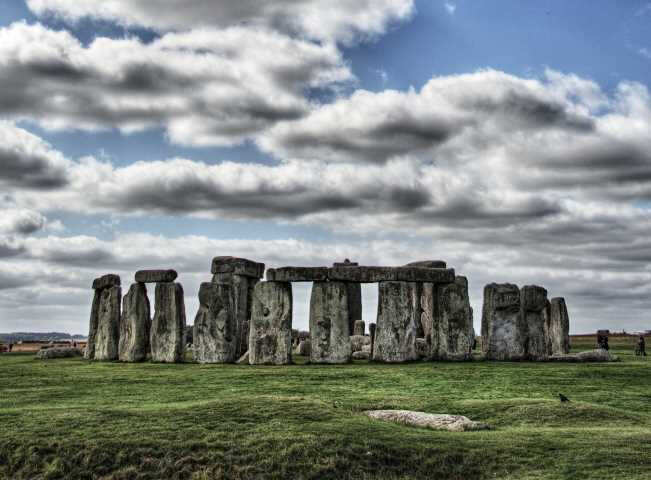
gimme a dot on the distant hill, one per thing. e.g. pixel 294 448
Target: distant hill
pixel 38 337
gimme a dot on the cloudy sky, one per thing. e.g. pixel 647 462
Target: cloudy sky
pixel 511 139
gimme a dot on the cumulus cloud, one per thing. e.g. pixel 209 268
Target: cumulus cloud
pixel 29 162
pixel 205 87
pixel 374 127
pixel 339 20
pixel 20 221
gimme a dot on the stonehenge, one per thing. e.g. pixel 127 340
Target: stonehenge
pixel 270 337
pixel 168 325
pixel 215 328
pixel 135 325
pixel 423 313
pixel 242 274
pixel 397 322
pixel 329 323
pixel 104 329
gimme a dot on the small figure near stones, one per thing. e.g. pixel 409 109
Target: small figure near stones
pixel 602 339
pixel 640 350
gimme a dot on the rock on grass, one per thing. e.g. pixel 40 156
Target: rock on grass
pixel 451 423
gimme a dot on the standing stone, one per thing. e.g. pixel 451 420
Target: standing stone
pixel 215 328
pixel 559 327
pixel 354 296
pixel 602 339
pixel 270 337
pixel 135 325
pixel 329 327
pixel 89 352
pixel 453 341
pixel 371 333
pixel 502 330
pixel 397 322
pixel 535 315
pixel 429 318
pixel 107 337
pixel 359 328
pixel 243 275
pixel 168 325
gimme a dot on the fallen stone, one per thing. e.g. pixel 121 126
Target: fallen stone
pixel 503 332
pixel 357 342
pixel 270 338
pixel 451 423
pixel 106 281
pixel 237 266
pixel 167 336
pixel 58 352
pixel 156 276
pixel 89 351
pixel 244 359
pixel 135 325
pixel 535 315
pixel 397 319
pixel 428 264
pixel 454 338
pixel 107 337
pixel 359 328
pixel 361 355
pixel 297 274
pixel 215 328
pixel 559 327
pixel 329 327
pixel 304 348
pixel 598 355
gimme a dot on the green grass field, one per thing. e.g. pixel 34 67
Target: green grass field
pixel 75 419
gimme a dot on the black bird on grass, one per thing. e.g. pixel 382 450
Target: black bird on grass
pixel 563 398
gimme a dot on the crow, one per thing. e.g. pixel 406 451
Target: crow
pixel 563 398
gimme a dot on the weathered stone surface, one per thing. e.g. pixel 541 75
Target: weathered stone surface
pixel 89 351
pixel 371 333
pixel 454 338
pixel 428 264
pixel 359 327
pixel 397 322
pixel 237 266
pixel 329 328
pixel 156 276
pixel 535 316
pixel 357 342
pixel 270 338
pixel 58 352
pixel 304 348
pixel 451 423
pixel 108 324
pixel 503 332
pixel 361 355
pixel 598 355
pixel 106 281
pixel 244 359
pixel 242 293
pixel 135 325
pixel 422 348
pixel 385 274
pixel 602 339
pixel 428 326
pixel 559 327
pixel 168 326
pixel 297 274
pixel 215 326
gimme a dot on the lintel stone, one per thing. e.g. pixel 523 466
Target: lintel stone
pixel 156 276
pixel 297 274
pixel 238 266
pixel 106 281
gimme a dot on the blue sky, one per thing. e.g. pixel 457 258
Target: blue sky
pixel 468 172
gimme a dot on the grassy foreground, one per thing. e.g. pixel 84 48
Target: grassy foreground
pixel 75 419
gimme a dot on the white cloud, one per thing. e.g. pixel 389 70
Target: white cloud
pixel 205 87
pixel 450 7
pixel 645 52
pixel 338 20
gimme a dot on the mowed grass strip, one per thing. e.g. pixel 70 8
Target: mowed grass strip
pixel 71 418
